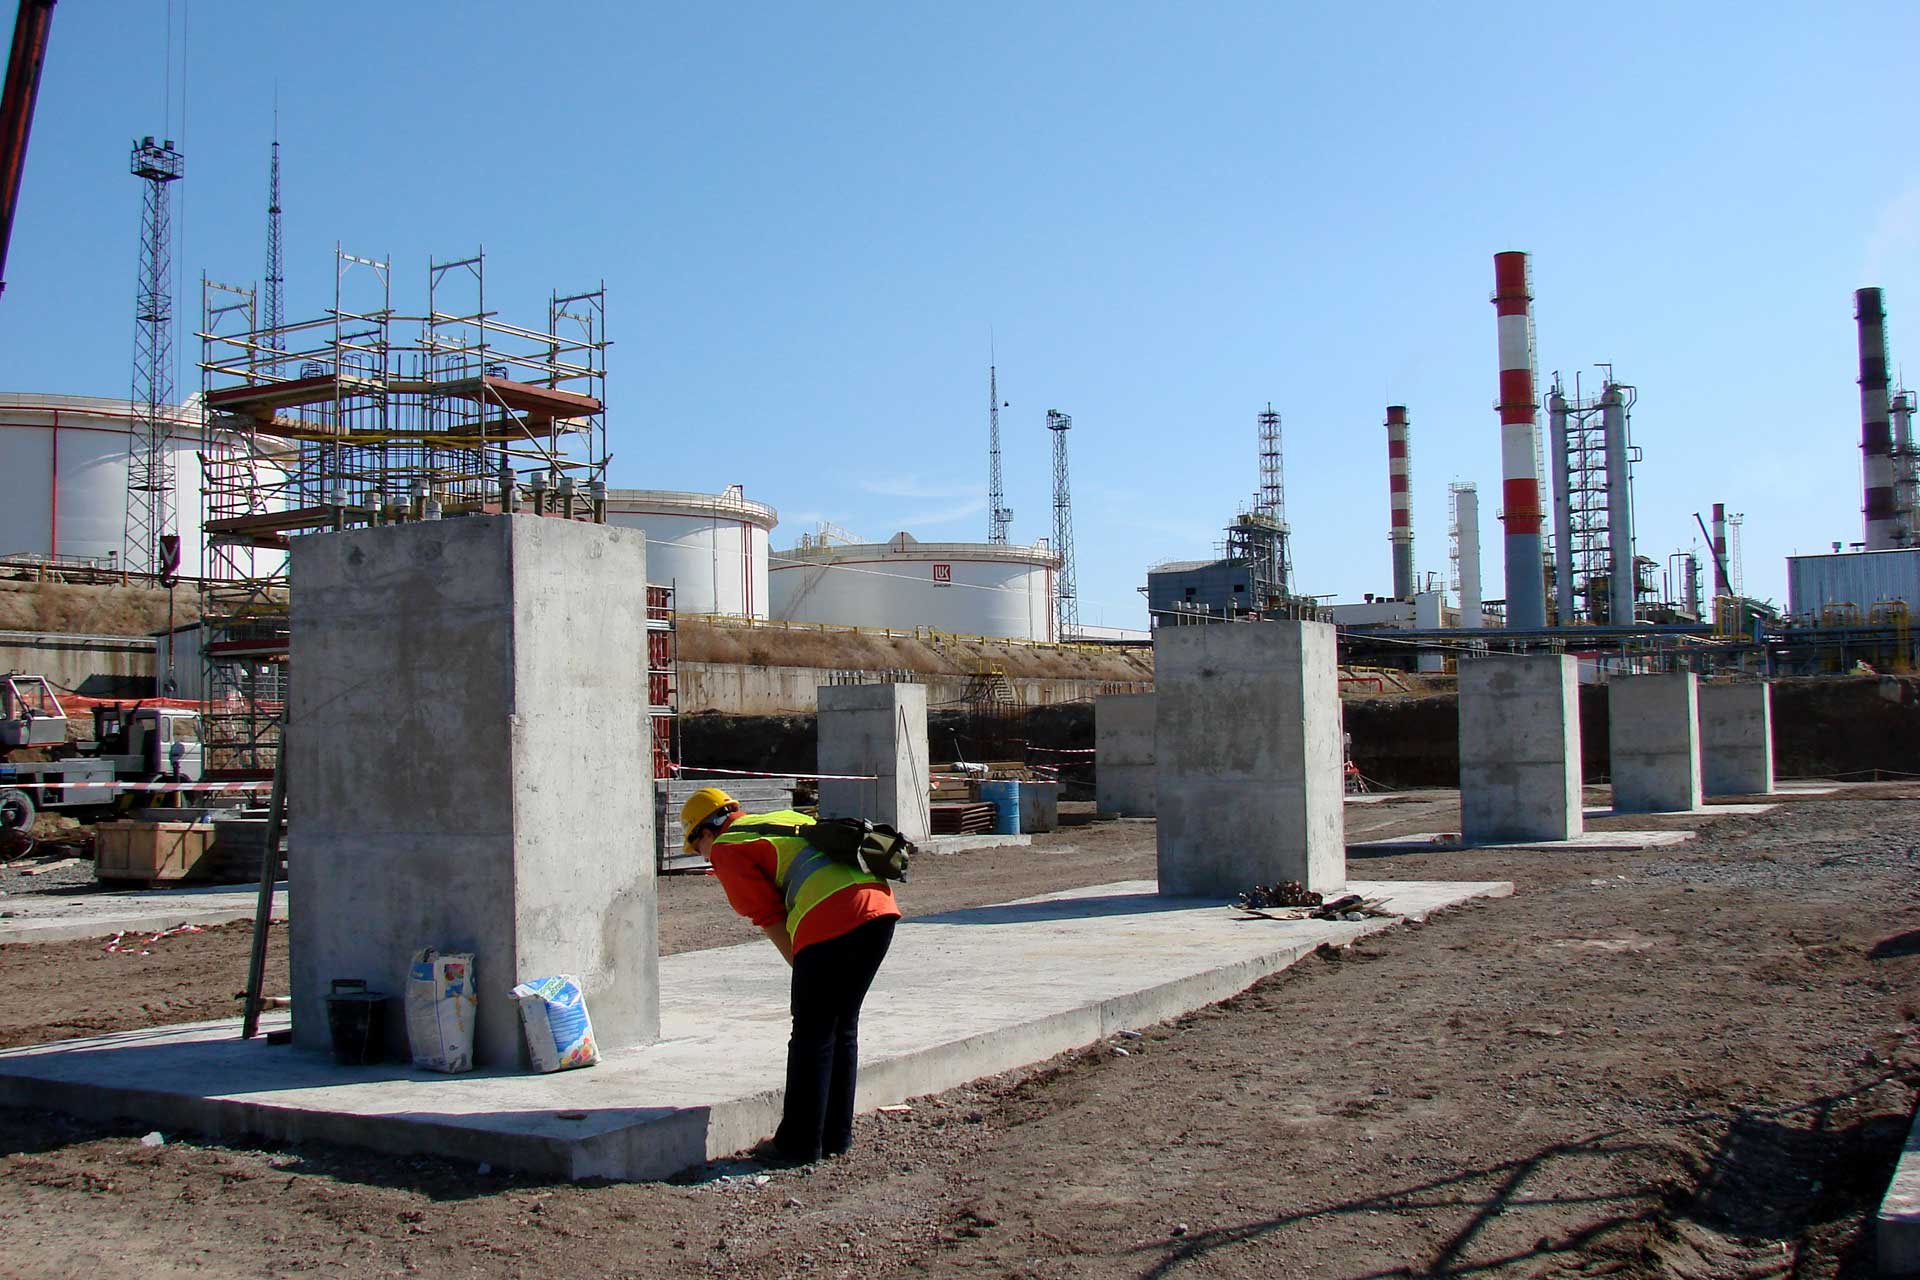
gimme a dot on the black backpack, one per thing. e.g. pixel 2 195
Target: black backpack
pixel 872 847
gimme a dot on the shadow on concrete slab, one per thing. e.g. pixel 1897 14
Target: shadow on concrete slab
pixel 1118 904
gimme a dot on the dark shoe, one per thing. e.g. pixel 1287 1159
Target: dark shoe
pixel 773 1155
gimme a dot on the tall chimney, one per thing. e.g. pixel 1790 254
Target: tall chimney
pixel 1466 551
pixel 1399 471
pixel 1721 587
pixel 1519 425
pixel 1876 434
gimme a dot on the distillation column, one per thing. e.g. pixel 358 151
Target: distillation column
pixel 1519 426
pixel 1466 543
pixel 1622 576
pixel 1562 507
pixel 1876 435
pixel 1721 586
pixel 1400 502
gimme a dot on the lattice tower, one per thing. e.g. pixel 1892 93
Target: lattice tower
pixel 150 504
pixel 1066 599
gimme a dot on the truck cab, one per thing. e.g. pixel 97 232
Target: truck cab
pixel 138 753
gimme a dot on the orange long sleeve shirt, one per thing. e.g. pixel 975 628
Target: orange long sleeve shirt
pixel 746 872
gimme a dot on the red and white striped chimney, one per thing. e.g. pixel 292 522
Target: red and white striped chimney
pixel 1399 472
pixel 1519 426
pixel 1876 433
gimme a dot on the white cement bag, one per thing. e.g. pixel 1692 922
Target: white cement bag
pixel 554 1013
pixel 441 1004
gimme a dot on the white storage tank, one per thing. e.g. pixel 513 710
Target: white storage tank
pixel 710 547
pixel 63 477
pixel 969 588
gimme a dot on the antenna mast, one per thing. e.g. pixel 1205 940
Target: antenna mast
pixel 998 517
pixel 1067 602
pixel 275 318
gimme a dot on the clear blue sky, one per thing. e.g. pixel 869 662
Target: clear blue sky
pixel 809 218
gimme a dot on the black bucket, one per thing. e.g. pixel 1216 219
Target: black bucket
pixel 356 1021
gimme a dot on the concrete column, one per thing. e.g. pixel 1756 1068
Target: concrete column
pixel 1519 749
pixel 1248 758
pixel 880 730
pixel 1123 753
pixel 1736 738
pixel 1654 738
pixel 469 768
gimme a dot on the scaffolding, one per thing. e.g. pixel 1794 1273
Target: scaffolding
pixel 361 416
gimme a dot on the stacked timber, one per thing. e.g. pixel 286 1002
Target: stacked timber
pixel 961 818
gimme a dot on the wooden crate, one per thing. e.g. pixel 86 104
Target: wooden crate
pixel 152 852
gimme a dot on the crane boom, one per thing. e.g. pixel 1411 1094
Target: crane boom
pixel 24 62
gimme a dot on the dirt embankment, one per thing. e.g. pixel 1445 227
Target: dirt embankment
pixel 1824 727
pixel 700 641
pixel 86 609
pixel 1831 727
pixel 789 744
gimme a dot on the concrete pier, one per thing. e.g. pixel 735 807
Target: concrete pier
pixel 1248 758
pixel 877 730
pixel 1519 749
pixel 1736 739
pixel 469 765
pixel 1123 754
pixel 1654 738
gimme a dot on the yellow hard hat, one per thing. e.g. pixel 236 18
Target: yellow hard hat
pixel 700 806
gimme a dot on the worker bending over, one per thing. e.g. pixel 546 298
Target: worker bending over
pixel 833 923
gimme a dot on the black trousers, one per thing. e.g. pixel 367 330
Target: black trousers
pixel 830 981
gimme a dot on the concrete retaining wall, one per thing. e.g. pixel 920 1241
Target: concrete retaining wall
pixel 98 666
pixel 736 689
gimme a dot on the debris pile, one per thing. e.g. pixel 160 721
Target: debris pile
pixel 1291 900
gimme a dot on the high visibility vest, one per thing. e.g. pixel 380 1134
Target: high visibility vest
pixel 805 876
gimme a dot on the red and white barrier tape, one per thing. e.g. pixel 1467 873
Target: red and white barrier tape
pixel 754 773
pixel 118 945
pixel 210 788
pixel 1062 751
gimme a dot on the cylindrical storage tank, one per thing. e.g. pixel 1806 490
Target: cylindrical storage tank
pixel 969 588
pixel 711 548
pixel 64 459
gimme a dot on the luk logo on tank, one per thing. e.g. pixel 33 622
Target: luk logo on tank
pixel 943 575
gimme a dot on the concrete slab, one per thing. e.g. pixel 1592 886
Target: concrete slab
pixel 1387 797
pixel 1585 842
pixel 961 844
pixel 99 915
pixel 1704 811
pixel 1897 1225
pixel 964 995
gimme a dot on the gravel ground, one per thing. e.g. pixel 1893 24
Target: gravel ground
pixel 1698 1061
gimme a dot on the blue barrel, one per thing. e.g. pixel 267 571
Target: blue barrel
pixel 1005 798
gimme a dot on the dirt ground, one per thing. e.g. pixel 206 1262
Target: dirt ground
pixel 1693 1061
